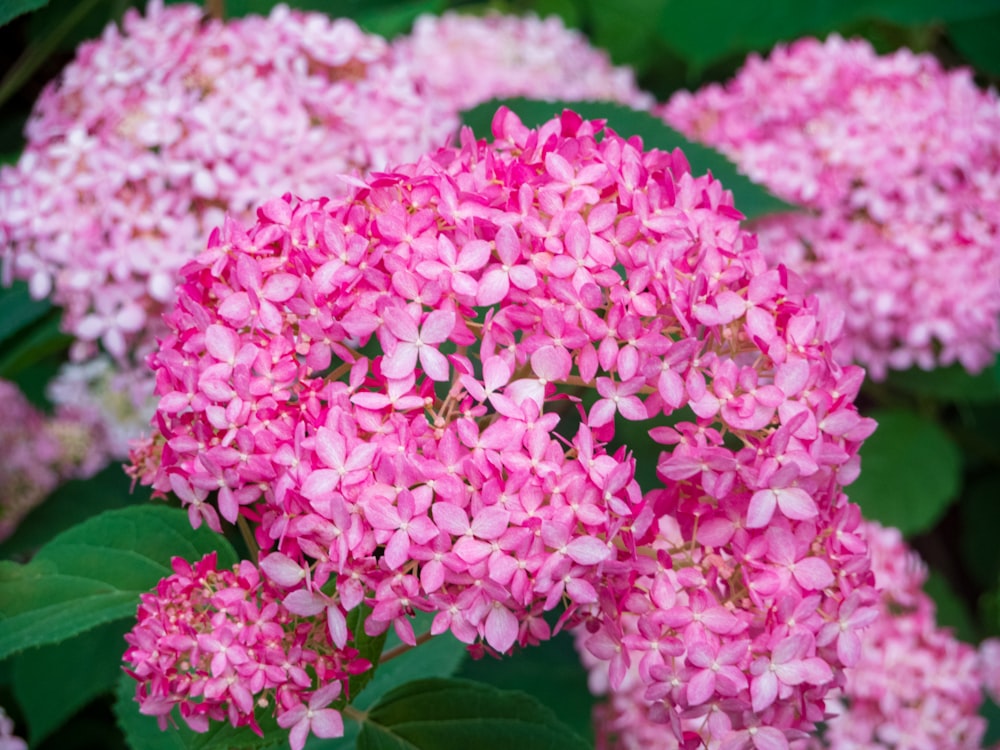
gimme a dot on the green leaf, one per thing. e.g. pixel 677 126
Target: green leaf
pixel 952 612
pixel 143 732
pixel 980 518
pixel 53 683
pixel 952 383
pixel 441 656
pixel 72 503
pixel 391 22
pixel 626 28
pixel 751 199
pixel 551 672
pixel 94 573
pixel 448 713
pixel 11 9
pixel 38 342
pixel 708 31
pixel 976 39
pixel 368 647
pixel 18 309
pixel 910 472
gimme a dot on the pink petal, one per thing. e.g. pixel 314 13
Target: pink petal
pixel 763 690
pixel 795 503
pixel 588 550
pixel 501 628
pixel 761 509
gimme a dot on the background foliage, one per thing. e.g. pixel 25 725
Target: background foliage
pixel 932 468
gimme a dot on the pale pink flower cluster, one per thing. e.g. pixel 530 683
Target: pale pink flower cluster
pixel 116 400
pixel 154 133
pixel 463 60
pixel 219 644
pixel 39 452
pixel 413 389
pixel 914 685
pixel 898 162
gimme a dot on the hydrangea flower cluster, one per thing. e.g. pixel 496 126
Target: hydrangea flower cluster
pixel 125 173
pixel 40 452
pixel 219 644
pixel 463 60
pixel 913 686
pixel 155 132
pixel 411 391
pixel 898 161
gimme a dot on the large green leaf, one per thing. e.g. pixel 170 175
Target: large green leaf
pixel 18 309
pixel 704 32
pixel 448 713
pixel 385 17
pixel 441 656
pixel 980 518
pixel 143 733
pixel 34 344
pixel 952 383
pixel 952 611
pixel 910 472
pixel 626 29
pixel 751 199
pixel 369 648
pixel 11 9
pixel 94 573
pixel 53 683
pixel 551 672
pixel 72 503
pixel 977 40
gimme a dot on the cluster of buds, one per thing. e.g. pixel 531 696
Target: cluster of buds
pixel 219 644
pixel 898 162
pixel 411 391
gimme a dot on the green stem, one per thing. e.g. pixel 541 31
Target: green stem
pixel 36 54
pixel 354 714
pixel 215 9
pixel 401 649
pixel 248 538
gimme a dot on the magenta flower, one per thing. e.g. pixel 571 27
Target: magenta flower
pixel 411 480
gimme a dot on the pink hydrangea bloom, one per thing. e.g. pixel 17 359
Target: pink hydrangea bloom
pixel 220 643
pixel 913 684
pixel 463 60
pixel 154 133
pixel 388 386
pixel 898 162
pixel 38 452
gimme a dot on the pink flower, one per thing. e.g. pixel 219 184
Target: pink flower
pixel 315 718
pixel 464 484
pixel 410 343
pixel 896 158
